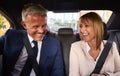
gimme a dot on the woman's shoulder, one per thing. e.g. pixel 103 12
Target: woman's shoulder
pixel 114 43
pixel 113 47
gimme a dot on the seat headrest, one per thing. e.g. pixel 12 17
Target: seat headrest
pixel 65 31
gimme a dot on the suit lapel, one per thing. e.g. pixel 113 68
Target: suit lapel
pixel 44 49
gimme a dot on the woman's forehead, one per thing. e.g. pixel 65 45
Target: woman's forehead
pixel 86 21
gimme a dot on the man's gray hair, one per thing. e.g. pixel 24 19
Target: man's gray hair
pixel 31 9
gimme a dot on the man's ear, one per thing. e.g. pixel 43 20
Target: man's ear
pixel 23 24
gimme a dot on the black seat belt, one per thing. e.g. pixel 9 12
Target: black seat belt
pixel 31 55
pixel 104 53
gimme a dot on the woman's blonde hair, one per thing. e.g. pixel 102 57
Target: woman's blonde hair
pixel 97 24
pixel 31 9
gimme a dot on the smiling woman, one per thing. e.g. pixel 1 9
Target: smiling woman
pixel 83 61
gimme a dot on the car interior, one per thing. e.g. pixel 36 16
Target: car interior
pixel 62 19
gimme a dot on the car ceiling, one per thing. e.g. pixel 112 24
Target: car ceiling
pixel 62 5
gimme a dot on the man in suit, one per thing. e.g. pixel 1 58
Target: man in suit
pixel 15 54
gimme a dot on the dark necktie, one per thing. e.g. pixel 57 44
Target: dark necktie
pixel 28 67
pixel 35 48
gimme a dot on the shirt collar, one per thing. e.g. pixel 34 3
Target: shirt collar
pixel 87 47
pixel 30 38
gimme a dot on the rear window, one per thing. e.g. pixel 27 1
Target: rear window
pixel 70 19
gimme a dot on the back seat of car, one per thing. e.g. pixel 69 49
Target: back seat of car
pixel 66 36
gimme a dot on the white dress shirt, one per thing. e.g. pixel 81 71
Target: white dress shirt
pixel 82 63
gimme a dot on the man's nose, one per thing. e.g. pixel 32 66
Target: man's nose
pixel 40 30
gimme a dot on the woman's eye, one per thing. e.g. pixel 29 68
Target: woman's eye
pixel 80 26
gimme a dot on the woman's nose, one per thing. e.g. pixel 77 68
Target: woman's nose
pixel 83 30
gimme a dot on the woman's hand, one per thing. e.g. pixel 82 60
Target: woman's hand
pixel 98 75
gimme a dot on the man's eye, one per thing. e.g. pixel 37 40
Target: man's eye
pixel 86 25
pixel 35 26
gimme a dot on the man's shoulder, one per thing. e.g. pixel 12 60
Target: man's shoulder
pixel 13 33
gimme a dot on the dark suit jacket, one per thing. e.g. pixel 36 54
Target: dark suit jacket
pixel 51 62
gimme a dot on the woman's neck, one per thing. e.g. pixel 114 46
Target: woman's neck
pixel 92 44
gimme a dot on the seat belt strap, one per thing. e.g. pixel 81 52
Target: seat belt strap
pixel 31 55
pixel 104 53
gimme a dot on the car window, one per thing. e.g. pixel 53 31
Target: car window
pixel 70 19
pixel 4 23
pixel 62 20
